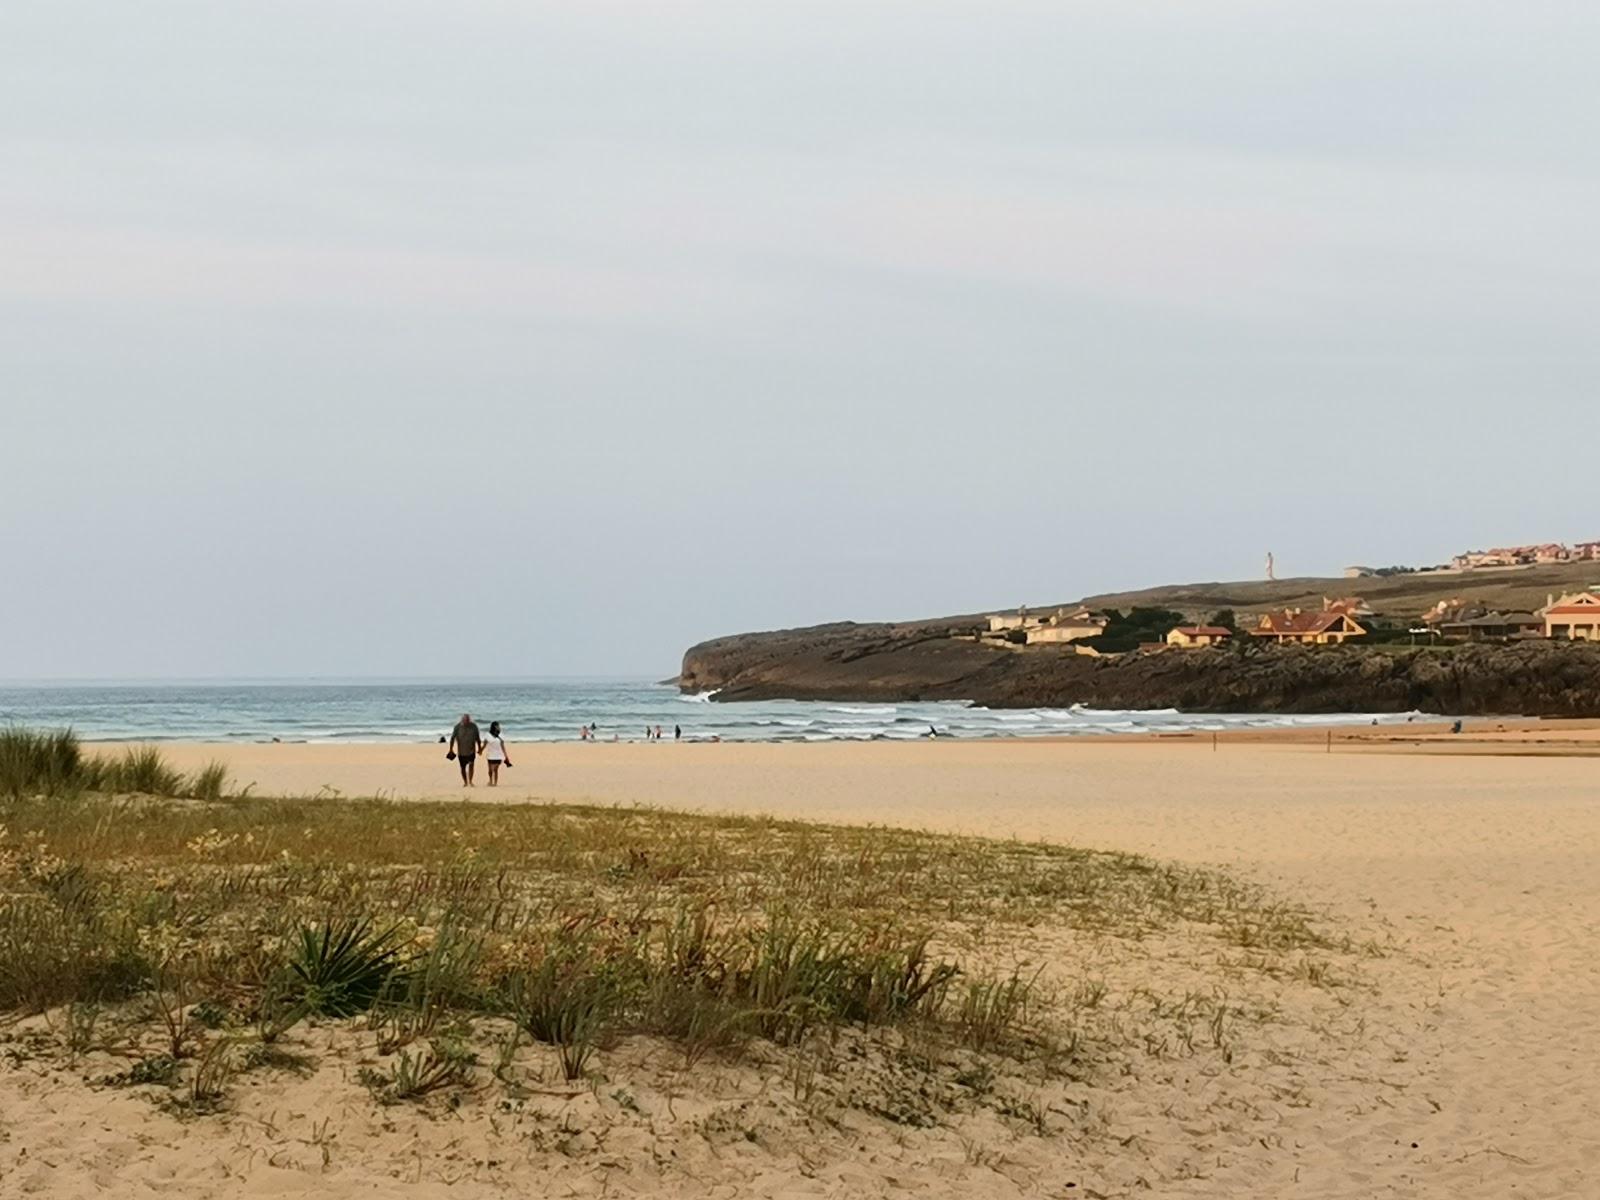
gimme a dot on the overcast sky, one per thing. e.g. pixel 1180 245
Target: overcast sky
pixel 517 338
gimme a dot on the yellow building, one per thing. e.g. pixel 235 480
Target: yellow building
pixel 1574 618
pixel 1067 625
pixel 1005 622
pixel 1192 637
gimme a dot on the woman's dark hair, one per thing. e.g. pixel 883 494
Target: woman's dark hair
pixel 494 728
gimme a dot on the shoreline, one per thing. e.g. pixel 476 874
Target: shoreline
pixel 828 780
pixel 1359 733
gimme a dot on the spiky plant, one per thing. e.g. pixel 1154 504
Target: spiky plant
pixel 340 968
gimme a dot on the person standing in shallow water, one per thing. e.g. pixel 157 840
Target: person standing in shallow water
pixel 495 752
pixel 464 746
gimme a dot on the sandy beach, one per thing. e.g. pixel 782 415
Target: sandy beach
pixel 1477 1072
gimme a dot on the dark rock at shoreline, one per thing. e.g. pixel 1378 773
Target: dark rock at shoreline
pixel 878 662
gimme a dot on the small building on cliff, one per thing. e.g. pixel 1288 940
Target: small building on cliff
pixel 1574 617
pixel 1067 625
pixel 1193 637
pixel 1006 622
pixel 1308 628
pixel 1353 606
pixel 1490 627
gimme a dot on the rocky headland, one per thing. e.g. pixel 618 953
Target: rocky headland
pixel 928 661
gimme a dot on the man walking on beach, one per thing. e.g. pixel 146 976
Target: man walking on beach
pixel 465 743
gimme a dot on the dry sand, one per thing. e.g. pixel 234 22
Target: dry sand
pixel 1473 1068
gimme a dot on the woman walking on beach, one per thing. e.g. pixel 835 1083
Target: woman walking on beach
pixel 495 753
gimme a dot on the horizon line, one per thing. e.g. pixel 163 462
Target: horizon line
pixel 22 681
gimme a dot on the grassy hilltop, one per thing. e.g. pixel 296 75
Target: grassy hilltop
pixel 1398 596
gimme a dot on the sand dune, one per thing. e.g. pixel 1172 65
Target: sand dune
pixel 1472 1068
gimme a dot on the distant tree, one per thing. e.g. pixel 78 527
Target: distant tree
pixel 1141 625
pixel 1224 618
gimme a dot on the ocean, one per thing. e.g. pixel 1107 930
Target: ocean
pixel 550 710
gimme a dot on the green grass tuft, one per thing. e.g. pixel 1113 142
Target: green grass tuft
pixel 35 762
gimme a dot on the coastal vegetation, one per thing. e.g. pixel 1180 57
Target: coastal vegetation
pixel 484 956
pixel 53 763
pixel 1135 628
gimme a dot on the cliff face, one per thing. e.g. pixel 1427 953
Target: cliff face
pixel 922 662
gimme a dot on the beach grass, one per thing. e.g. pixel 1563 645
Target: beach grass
pixel 215 929
pixel 53 763
pixel 34 761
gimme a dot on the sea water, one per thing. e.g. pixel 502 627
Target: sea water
pixel 553 710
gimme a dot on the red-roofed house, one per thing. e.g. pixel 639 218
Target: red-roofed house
pixel 1353 606
pixel 1575 617
pixel 1192 637
pixel 1308 628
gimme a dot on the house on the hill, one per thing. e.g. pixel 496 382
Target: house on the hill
pixel 1192 637
pixel 1067 625
pixel 1483 626
pixel 1446 611
pixel 1005 622
pixel 1308 628
pixel 1353 606
pixel 1574 617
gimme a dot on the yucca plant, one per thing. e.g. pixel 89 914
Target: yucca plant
pixel 341 967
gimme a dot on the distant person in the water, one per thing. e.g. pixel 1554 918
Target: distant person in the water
pixel 658 733
pixel 495 753
pixel 677 733
pixel 465 742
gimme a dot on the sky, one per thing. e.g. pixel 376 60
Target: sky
pixel 516 338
